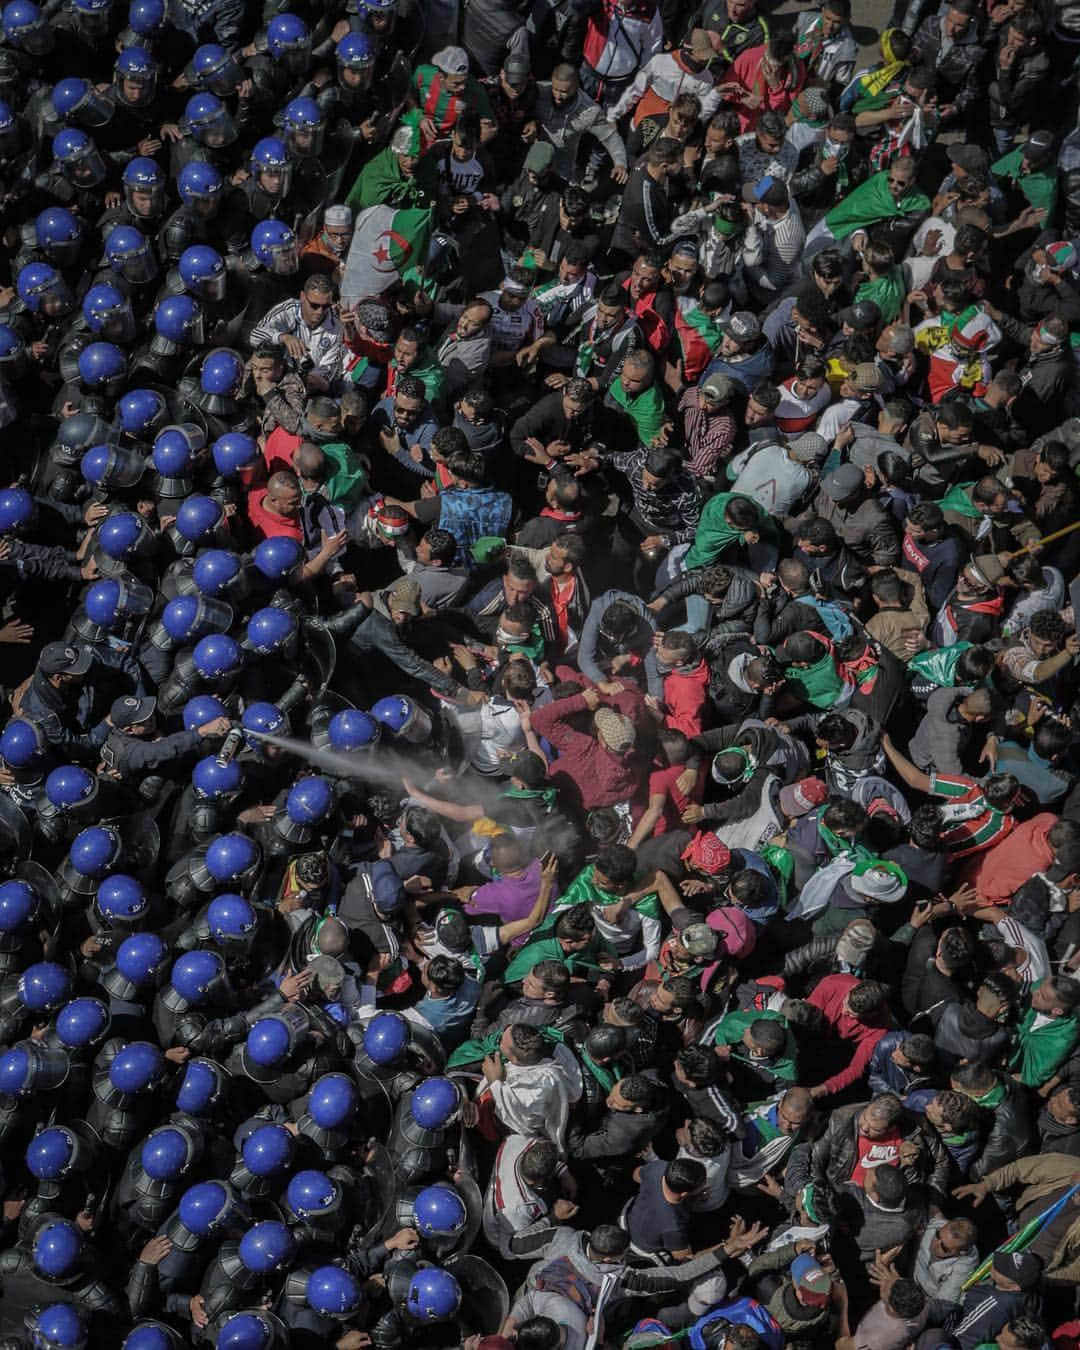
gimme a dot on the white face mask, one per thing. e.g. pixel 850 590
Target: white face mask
pixel 834 149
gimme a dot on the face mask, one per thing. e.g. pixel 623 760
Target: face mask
pixel 834 150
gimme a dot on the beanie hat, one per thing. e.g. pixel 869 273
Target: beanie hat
pixel 855 942
pixel 616 731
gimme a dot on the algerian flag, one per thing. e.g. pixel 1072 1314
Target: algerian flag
pixel 388 246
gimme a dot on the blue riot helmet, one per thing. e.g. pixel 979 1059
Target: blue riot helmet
pixel 279 559
pixel 213 781
pixel 235 454
pixel 310 801
pixel 44 291
pixel 82 1023
pixel 20 905
pixel 356 60
pixel 268 1150
pixel 27 28
pixel 215 571
pixel 59 234
pixel 201 709
pixel 252 1329
pixel 95 851
pixel 107 312
pixel 140 413
pixel 167 1153
pixel 53 1152
pixel 112 467
pixel 121 902
pixel 435 1102
pixel 92 16
pixel 70 786
pixel 222 373
pixel 207 1208
pixel 141 958
pixel 189 618
pixel 312 1194
pixel 129 255
pixel 439 1213
pixel 386 1038
pixel 44 987
pixel 57 1249
pixel 288 41
pixel 195 975
pixel 12 355
pixel 202 1087
pixel 178 325
pixel 197 520
pixel 110 604
pixel 230 918
pixel 137 1067
pixel 218 657
pixel 271 167
pixel 16 510
pixel 31 1067
pixel 265 719
pixel 332 1101
pixel 302 127
pixel 77 101
pixel 434 1295
pixel 102 365
pixel 154 1335
pixel 200 186
pixel 232 859
pixel 266 1247
pixel 135 77
pixel 146 18
pixel 78 158
pixel 173 459
pixel 271 630
pixel 57 1326
pixel 10 135
pixel 208 121
pixel 271 1040
pixel 274 245
pixel 202 270
pixel 352 729
pixel 145 182
pixel 121 539
pixel 333 1292
pixel 23 744
pixel 213 70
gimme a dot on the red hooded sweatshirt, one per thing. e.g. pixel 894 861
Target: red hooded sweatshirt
pixel 686 693
pixel 830 996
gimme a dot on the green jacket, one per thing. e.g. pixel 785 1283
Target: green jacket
pixel 729 1031
pixel 1038 186
pixel 1038 1054
pixel 714 534
pixel 547 948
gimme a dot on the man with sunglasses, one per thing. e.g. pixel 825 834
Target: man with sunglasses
pixel 309 330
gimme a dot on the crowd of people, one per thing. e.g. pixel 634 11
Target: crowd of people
pixel 538 660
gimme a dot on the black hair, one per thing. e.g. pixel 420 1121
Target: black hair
pixel 618 863
pixel 684 1175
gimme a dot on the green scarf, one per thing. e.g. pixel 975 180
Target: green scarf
pixel 549 796
pixel 838 847
pixel 939 664
pixel 958 499
pixel 583 890
pixel 782 865
pixel 871 203
pixel 348 482
pixel 714 534
pixel 607 1078
pixel 991 1100
pixel 469 1052
pixel 887 292
pixel 819 684
pixel 532 646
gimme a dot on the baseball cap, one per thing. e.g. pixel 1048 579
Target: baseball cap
pixel 971 158
pixel 809 448
pixel 862 316
pixel 769 190
pixel 844 481
pixel 866 378
pixel 798 798
pixel 1023 1268
pixel 1061 255
pixel 721 388
pixel 699 940
pixel 60 658
pixel 130 711
pixel 1039 147
pixel 735 930
pixel 811 1280
pixel 540 156
pixel 742 326
pixel 856 941
pixel 516 70
pixel 404 596
pixel 451 61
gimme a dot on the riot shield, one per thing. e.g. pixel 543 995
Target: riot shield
pixel 485 1300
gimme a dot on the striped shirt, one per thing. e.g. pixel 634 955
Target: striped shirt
pixel 971 824
pixel 324 344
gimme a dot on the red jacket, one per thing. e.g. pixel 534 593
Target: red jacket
pixel 829 996
pixel 1003 869
pixel 686 693
pixel 599 776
